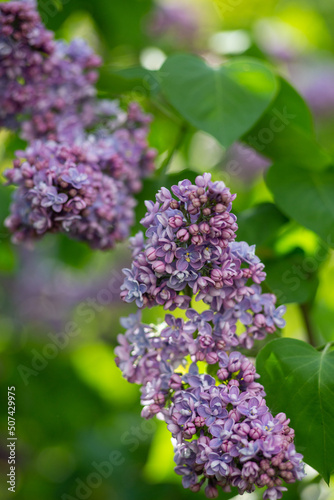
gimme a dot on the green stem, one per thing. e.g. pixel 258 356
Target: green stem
pixel 305 311
pixel 178 142
pixel 325 347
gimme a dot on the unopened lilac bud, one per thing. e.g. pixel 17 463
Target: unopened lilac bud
pixel 286 475
pixel 151 253
pixel 222 374
pixel 176 221
pixel 189 430
pixel 233 382
pixel 248 377
pixel 234 365
pixel 183 235
pixel 242 429
pixel 192 209
pixel 193 229
pixel 212 358
pixel 159 398
pixel 255 433
pixel 216 274
pixel 219 208
pixel 264 478
pixel 277 459
pixel 197 239
pixel 195 487
pixel 259 320
pixel 211 491
pixel 199 421
pixel 204 228
pixel 158 266
pixel 265 464
pixel 221 345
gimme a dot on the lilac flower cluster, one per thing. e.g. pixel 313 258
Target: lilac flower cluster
pixel 40 79
pixel 47 91
pixel 224 433
pixel 190 251
pixel 62 188
pixel 222 429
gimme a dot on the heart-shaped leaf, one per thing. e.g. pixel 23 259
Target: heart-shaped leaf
pixel 306 196
pixel 224 101
pixel 299 380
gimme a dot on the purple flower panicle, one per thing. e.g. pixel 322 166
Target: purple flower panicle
pixel 224 433
pixel 62 189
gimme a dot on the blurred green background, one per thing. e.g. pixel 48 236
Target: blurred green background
pixel 59 301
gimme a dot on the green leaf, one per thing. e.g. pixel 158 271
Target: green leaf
pixel 73 253
pixel 290 279
pixel 260 223
pixel 134 79
pixel 285 131
pixel 299 381
pixel 117 22
pixel 306 196
pixel 224 101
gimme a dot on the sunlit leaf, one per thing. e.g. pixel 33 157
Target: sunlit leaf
pixel 306 196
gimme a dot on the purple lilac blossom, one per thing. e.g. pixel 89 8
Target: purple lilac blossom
pixel 222 429
pixel 62 189
pixel 224 433
pixel 48 93
pixel 41 79
pixel 190 249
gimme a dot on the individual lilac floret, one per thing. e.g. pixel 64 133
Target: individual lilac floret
pixel 61 189
pixel 190 250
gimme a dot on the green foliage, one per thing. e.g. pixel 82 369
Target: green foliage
pixel 305 196
pixel 290 279
pixel 260 223
pixel 299 380
pixel 285 131
pixel 225 101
